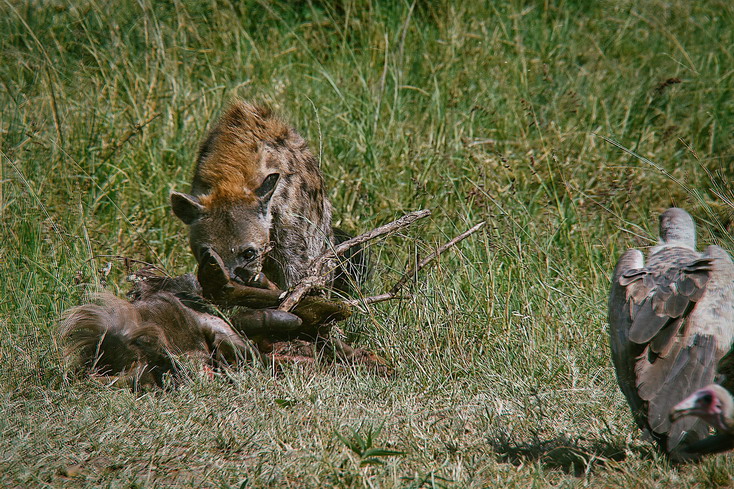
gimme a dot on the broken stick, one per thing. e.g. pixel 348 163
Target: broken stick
pixel 317 277
pixel 410 274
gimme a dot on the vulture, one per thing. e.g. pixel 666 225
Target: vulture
pixel 671 327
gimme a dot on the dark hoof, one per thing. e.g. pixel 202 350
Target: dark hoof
pixel 212 274
pixel 266 321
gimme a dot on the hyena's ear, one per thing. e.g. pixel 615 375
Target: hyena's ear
pixel 265 191
pixel 186 207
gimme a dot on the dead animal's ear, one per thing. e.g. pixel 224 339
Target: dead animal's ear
pixel 265 191
pixel 186 207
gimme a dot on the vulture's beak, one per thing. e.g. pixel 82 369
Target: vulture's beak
pixel 689 405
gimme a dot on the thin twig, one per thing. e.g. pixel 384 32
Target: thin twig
pixel 135 129
pixel 54 107
pixel 404 279
pixel 316 276
pixel 409 275
pixel 404 221
pixel 126 260
pixel 373 299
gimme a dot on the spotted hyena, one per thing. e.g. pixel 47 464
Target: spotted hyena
pixel 257 198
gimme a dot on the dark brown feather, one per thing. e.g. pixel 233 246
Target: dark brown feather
pixel 646 323
pixel 662 344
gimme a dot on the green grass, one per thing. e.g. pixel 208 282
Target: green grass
pixel 500 112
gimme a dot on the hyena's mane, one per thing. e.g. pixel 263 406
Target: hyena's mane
pixel 247 143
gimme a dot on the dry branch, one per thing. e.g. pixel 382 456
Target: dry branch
pixel 317 276
pixel 393 292
pixel 316 313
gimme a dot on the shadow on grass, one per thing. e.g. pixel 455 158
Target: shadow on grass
pixel 573 456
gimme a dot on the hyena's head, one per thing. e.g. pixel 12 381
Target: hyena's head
pixel 238 230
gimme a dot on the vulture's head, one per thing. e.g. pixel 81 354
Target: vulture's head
pixel 713 404
pixel 677 228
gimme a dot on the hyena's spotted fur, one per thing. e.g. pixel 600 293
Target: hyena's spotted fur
pixel 257 198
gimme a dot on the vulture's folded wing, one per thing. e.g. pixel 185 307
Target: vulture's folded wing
pixel 624 352
pixel 659 354
pixel 665 294
pixel 714 312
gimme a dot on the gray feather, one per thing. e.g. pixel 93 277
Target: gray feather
pixel 647 323
pixel 662 343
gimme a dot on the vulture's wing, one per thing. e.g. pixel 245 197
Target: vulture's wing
pixel 715 314
pixel 661 355
pixel 624 352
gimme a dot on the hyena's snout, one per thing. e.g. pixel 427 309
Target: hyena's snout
pixel 245 264
pixel 243 267
pixel 247 267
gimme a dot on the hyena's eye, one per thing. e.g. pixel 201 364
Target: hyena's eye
pixel 249 254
